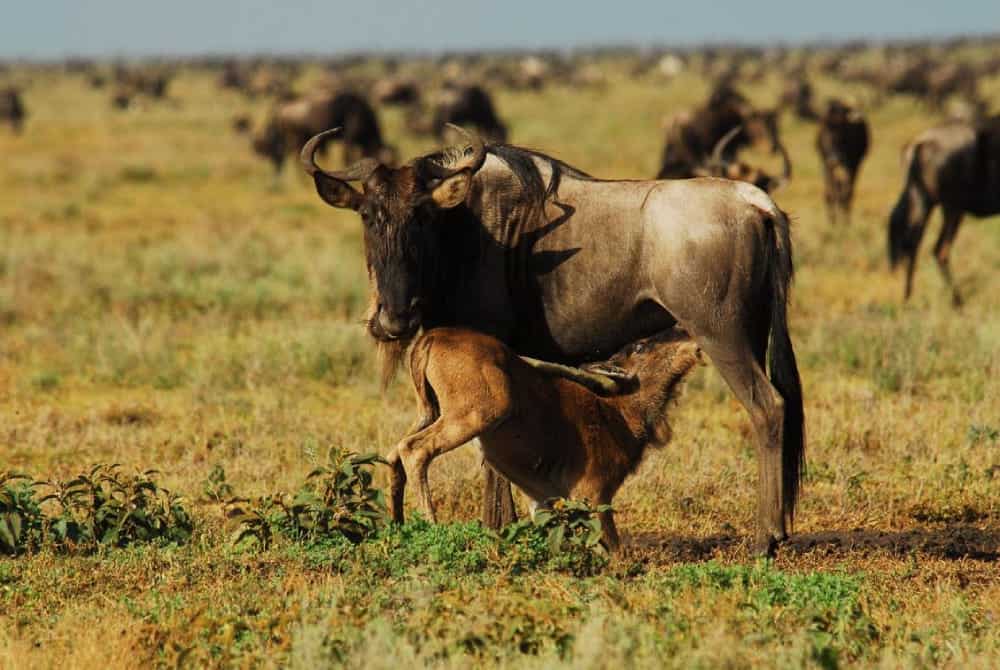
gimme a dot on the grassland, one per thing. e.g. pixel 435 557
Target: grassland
pixel 164 303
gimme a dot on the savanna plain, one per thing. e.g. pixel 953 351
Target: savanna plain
pixel 166 304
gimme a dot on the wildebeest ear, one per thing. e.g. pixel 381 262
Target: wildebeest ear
pixel 336 193
pixel 451 191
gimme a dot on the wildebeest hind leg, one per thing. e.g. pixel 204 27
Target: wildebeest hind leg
pixel 736 362
pixel 942 249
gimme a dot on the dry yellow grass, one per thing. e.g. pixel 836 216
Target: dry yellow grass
pixel 164 304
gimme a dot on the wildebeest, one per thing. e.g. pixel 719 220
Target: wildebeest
pixel 395 90
pixel 691 136
pixel 12 108
pixel 550 436
pixel 842 142
pixel 957 166
pixel 292 123
pixel 565 267
pixel 462 105
pixel 718 166
pixel 797 96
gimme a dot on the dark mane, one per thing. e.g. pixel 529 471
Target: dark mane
pixel 521 163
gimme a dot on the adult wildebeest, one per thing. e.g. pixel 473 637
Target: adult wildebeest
pixel 957 166
pixel 291 124
pixel 463 105
pixel 718 166
pixel 692 135
pixel 842 143
pixel 797 96
pixel 565 267
pixel 12 108
pixel 552 437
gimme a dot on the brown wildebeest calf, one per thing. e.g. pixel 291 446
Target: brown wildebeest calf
pixel 549 435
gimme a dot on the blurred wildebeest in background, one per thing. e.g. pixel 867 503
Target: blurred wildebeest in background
pixel 842 143
pixel 957 166
pixel 12 108
pixel 131 83
pixel 396 90
pixel 797 96
pixel 692 135
pixel 718 166
pixel 459 104
pixel 292 123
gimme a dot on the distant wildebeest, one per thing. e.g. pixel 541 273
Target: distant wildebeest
pixel 565 267
pixel 12 108
pixel 691 136
pixel 292 123
pixel 462 105
pixel 718 166
pixel 396 90
pixel 842 143
pixel 550 435
pixel 797 96
pixel 957 166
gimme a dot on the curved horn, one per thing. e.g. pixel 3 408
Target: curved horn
pixel 357 172
pixel 720 146
pixel 607 382
pixel 462 159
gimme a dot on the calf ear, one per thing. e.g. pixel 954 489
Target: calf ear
pixel 451 191
pixel 336 193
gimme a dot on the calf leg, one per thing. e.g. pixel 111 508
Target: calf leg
pixel 942 249
pixel 397 484
pixel 449 432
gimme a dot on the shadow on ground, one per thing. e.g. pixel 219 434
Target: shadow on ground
pixel 952 543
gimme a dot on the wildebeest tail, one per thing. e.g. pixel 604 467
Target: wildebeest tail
pixel 909 207
pixel 783 367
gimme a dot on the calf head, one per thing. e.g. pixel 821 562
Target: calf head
pixel 659 363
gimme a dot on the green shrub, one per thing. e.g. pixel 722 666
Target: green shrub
pixel 564 536
pixel 109 508
pixel 335 501
pixel 102 507
pixel 20 514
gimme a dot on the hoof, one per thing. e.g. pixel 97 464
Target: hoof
pixel 765 547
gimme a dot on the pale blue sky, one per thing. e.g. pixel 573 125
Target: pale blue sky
pixel 56 28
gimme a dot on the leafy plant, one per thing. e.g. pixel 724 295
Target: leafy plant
pixel 340 499
pixel 20 514
pixel 107 507
pixel 564 535
pixel 258 518
pixel 337 500
pixel 215 488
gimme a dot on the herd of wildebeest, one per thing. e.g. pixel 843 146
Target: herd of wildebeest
pixel 551 314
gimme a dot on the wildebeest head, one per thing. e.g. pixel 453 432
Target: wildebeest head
pixel 399 207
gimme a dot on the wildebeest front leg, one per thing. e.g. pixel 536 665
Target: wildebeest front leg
pixel 498 501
